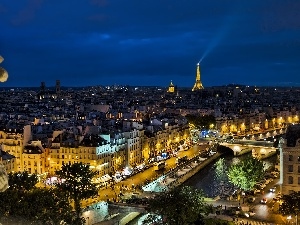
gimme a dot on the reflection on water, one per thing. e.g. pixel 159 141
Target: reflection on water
pixel 211 179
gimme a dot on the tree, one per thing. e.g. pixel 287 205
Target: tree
pixel 22 181
pixel 39 205
pixel 75 180
pixel 181 205
pixel 201 121
pixel 246 173
pixel 290 204
pixel 49 206
pixel 221 170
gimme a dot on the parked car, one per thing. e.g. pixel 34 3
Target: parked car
pixel 267 181
pixel 251 199
pixel 260 186
pixel 276 199
pixel 274 174
pixel 256 191
pixel 249 193
pixel 270 180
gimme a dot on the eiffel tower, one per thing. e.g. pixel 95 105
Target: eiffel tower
pixel 198 84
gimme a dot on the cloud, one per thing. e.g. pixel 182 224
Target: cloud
pixel 279 16
pixel 152 41
pixel 27 14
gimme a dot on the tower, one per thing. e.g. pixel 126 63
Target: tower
pixel 198 84
pixel 57 87
pixel 42 87
pixel 171 88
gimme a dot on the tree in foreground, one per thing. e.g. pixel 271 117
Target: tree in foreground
pixel 201 121
pixel 22 181
pixel 179 206
pixel 36 206
pixel 75 180
pixel 290 204
pixel 246 173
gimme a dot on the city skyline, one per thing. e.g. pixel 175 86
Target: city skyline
pixel 140 43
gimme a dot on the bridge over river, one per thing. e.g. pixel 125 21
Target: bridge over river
pixel 259 149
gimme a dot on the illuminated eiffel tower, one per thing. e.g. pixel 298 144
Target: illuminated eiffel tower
pixel 198 85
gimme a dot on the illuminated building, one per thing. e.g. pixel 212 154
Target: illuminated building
pixel 289 160
pixel 171 88
pixel 198 84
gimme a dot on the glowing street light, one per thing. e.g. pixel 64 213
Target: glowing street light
pixel 289 218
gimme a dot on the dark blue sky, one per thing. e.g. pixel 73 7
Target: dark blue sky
pixel 150 42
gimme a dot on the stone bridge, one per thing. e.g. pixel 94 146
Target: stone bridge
pixel 259 149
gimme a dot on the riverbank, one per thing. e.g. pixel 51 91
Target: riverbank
pixel 189 173
pixel 169 180
pixel 184 171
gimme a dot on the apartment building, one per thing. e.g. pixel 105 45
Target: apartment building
pixel 12 142
pixel 34 158
pixel 134 147
pixel 290 160
pixel 8 161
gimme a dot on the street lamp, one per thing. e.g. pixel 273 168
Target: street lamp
pixel 288 219
pixel 296 216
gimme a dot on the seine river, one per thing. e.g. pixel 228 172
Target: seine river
pixel 213 180
pixel 208 179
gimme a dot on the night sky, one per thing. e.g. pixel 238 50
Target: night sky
pixel 150 42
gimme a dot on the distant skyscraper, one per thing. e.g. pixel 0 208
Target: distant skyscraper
pixel 198 85
pixel 57 87
pixel 42 87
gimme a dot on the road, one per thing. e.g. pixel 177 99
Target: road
pixel 263 212
pixel 268 211
pixel 111 193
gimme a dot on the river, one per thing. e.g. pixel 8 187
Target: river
pixel 213 180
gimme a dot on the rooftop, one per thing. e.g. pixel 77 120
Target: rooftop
pixel 292 135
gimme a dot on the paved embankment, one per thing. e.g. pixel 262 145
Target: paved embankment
pixel 184 177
